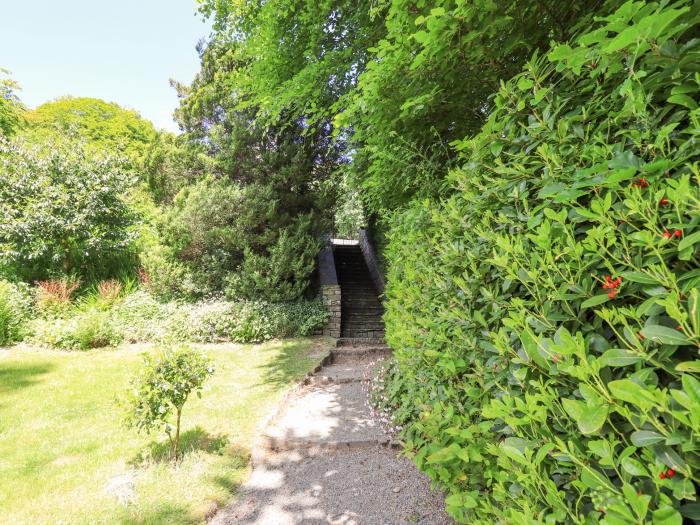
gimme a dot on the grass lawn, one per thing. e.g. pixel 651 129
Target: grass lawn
pixel 66 459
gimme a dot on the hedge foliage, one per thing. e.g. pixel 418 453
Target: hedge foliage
pixel 546 317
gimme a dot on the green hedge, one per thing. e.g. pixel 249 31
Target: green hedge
pixel 546 317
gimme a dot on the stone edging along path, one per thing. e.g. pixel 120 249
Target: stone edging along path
pixel 322 458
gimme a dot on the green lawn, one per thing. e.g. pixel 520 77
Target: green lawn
pixel 66 459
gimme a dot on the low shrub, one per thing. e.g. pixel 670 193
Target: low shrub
pixel 248 321
pixel 546 317
pixel 166 277
pixel 141 317
pixel 55 295
pixel 84 330
pixel 109 291
pixel 15 308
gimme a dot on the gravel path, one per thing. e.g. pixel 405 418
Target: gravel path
pixel 324 460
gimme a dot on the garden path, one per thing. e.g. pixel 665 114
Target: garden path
pixel 324 459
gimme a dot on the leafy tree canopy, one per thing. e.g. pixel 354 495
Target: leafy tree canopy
pixel 103 125
pixel 294 59
pixel 395 82
pixel 11 109
pixel 62 210
pixel 430 84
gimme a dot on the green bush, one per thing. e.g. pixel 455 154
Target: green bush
pixel 546 317
pixel 248 321
pixel 223 236
pixel 82 330
pixel 63 211
pixel 282 272
pixel 15 307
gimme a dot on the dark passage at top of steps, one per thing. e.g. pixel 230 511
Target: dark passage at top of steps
pixel 361 309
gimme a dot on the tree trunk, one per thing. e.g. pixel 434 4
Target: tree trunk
pixel 177 434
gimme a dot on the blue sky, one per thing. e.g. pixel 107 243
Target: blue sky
pixel 122 51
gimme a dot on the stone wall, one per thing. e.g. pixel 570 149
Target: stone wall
pixel 371 261
pixel 331 298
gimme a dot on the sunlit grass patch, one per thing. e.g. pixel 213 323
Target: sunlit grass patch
pixel 66 458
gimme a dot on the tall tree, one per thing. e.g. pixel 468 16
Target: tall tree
pixel 430 84
pixel 102 125
pixel 395 81
pixel 11 109
pixel 278 177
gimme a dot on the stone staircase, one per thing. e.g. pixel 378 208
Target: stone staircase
pixel 361 309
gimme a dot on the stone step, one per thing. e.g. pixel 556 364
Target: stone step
pixel 363 341
pixel 360 332
pixel 364 314
pixel 369 300
pixel 356 354
pixel 340 373
pixel 362 324
pixel 376 335
pixel 327 417
pixel 361 314
pixel 374 323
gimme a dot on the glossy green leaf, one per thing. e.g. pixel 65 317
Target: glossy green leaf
pixel 666 516
pixel 619 357
pixel 645 438
pixel 589 418
pixel 665 335
pixel 595 301
pixel 634 467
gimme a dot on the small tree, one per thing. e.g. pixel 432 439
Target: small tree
pixel 159 392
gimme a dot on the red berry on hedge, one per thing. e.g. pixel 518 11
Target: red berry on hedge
pixel 611 295
pixel 664 201
pixel 670 473
pixel 662 475
pixel 668 235
pixel 678 233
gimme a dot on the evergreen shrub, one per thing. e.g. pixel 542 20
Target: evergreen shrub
pixel 546 316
